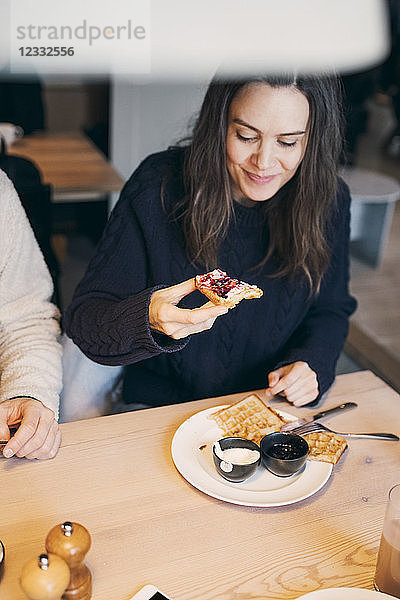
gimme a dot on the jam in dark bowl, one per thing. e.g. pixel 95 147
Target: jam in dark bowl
pixel 283 453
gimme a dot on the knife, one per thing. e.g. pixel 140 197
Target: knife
pixel 318 415
pixel 13 429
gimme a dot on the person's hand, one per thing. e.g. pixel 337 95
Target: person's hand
pixel 38 435
pixel 177 323
pixel 297 382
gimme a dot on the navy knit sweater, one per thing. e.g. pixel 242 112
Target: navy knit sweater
pixel 143 249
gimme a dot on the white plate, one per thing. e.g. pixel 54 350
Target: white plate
pixel 262 489
pixel 345 594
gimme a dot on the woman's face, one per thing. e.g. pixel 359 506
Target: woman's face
pixel 266 139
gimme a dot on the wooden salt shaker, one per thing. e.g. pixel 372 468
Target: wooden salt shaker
pixel 45 577
pixel 72 541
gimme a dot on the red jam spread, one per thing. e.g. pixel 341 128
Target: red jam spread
pixel 219 282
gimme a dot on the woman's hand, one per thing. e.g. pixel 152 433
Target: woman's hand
pixel 177 323
pixel 297 382
pixel 38 435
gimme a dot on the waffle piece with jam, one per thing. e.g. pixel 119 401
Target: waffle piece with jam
pixel 224 290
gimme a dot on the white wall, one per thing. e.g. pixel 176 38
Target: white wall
pixel 147 118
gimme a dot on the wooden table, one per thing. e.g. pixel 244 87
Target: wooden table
pixel 72 164
pixel 115 475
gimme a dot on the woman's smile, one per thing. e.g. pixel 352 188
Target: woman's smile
pixel 259 179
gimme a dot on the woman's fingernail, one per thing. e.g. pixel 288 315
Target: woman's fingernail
pixel 8 453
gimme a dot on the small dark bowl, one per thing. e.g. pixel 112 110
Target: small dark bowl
pixel 2 558
pixel 283 453
pixel 230 471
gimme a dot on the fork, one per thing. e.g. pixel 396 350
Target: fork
pixel 311 427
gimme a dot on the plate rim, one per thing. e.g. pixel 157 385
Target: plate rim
pixel 237 501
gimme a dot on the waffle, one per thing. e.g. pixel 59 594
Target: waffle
pixel 324 446
pixel 249 418
pixel 224 290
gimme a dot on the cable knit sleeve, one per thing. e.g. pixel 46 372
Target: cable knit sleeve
pixel 321 336
pixel 30 353
pixel 109 315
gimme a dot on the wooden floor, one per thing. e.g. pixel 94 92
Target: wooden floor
pixel 374 338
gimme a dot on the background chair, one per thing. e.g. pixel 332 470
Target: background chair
pixel 89 389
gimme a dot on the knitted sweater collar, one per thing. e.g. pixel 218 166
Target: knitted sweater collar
pixel 249 216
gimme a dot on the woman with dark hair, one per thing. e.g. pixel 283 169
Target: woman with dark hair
pixel 255 194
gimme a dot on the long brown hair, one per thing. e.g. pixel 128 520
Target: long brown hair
pixel 298 215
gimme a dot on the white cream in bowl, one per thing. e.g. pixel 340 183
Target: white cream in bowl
pixel 236 455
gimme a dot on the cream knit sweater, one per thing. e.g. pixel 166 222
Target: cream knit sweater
pixel 30 352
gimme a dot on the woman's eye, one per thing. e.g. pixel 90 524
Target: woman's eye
pixel 243 138
pixel 287 144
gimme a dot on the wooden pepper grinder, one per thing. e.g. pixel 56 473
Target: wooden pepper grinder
pixel 45 577
pixel 72 541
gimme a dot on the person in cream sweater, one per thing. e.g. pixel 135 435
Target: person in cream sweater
pixel 30 351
